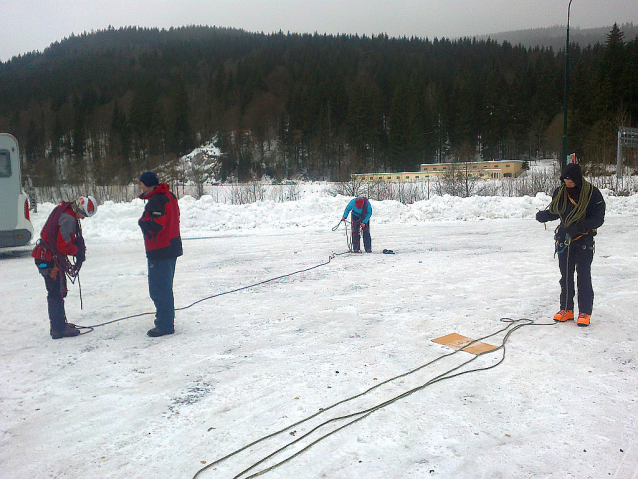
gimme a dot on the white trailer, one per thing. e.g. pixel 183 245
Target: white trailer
pixel 15 224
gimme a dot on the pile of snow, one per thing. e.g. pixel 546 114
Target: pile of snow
pixel 314 210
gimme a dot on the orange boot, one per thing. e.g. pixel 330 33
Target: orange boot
pixel 564 315
pixel 583 319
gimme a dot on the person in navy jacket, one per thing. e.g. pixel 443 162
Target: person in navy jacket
pixel 360 219
pixel 163 243
pixel 580 206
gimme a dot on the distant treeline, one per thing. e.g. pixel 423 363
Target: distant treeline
pixel 554 37
pixel 103 106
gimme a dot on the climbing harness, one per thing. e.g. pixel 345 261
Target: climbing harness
pixel 514 325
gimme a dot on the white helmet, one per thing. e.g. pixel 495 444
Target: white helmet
pixel 86 205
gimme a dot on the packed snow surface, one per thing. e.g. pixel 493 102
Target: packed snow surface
pixel 115 403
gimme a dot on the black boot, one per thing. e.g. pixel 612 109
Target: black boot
pixel 156 332
pixel 68 331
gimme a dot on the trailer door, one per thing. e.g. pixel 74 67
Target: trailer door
pixel 9 182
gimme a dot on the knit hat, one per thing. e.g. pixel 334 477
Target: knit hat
pixel 573 172
pixel 358 203
pixel 149 178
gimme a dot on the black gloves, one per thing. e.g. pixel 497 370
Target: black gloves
pixel 576 229
pixel 80 256
pixel 543 216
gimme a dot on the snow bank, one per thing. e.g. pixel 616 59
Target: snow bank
pixel 317 211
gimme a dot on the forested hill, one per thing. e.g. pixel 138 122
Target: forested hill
pixel 554 37
pixel 103 106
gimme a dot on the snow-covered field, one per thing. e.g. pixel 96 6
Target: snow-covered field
pixel 116 404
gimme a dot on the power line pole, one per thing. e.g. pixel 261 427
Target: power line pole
pixel 563 160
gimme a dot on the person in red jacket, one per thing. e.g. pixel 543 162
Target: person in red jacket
pixel 163 243
pixel 60 237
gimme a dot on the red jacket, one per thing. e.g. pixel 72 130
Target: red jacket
pixel 160 224
pixel 67 229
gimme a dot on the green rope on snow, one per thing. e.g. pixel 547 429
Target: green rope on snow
pixel 513 325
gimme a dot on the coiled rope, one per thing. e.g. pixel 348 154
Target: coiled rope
pixel 348 227
pixel 558 205
pixel 514 325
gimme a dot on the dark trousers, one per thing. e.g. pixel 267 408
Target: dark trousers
pixel 356 238
pixel 160 287
pixel 577 257
pixel 55 300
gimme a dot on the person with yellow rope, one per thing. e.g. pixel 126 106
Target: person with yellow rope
pixel 581 210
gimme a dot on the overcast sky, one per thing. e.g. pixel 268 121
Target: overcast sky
pixel 28 25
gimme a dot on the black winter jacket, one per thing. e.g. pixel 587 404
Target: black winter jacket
pixel 594 216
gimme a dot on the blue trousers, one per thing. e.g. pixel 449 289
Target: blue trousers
pixel 160 287
pixel 356 238
pixel 55 299
pixel 579 260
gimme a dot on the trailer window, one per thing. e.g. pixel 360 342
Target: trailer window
pixel 5 164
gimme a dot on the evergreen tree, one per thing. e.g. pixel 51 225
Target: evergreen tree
pixel 320 105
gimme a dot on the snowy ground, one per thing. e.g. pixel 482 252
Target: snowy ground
pixel 114 403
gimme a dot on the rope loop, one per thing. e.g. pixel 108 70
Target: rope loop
pixel 512 325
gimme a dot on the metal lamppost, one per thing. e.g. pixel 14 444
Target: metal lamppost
pixel 563 161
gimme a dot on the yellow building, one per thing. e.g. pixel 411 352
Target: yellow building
pixel 479 169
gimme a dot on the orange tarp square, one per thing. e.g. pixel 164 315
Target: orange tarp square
pixel 457 341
